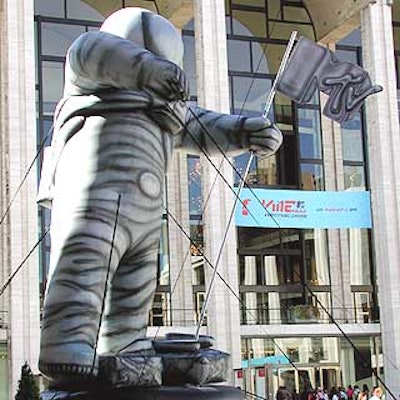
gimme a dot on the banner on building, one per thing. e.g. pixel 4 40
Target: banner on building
pixel 266 208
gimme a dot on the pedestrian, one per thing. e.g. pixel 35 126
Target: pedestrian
pixel 349 392
pixel 376 393
pixel 334 394
pixel 356 392
pixel 283 394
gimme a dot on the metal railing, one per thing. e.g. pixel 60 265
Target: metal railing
pixel 271 316
pixel 315 315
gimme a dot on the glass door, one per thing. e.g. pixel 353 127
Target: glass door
pixel 327 377
pixel 306 379
pixel 296 380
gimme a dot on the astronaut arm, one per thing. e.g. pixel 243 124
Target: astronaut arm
pixel 100 60
pixel 215 133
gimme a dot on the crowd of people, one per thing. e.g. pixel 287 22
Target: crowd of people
pixel 340 393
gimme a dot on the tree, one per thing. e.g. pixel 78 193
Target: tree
pixel 27 386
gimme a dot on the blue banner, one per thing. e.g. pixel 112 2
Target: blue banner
pixel 266 208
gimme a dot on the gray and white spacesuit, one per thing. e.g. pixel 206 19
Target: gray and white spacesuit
pixel 121 116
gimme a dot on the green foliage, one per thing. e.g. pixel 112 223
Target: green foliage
pixel 27 386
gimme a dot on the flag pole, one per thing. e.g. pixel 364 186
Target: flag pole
pixel 265 113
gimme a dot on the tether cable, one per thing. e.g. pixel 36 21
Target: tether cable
pixel 8 208
pixel 305 284
pixel 12 276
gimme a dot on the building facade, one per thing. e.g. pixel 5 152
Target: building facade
pixel 300 307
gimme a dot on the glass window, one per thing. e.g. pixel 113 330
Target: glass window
pixel 194 182
pixel 240 163
pixel 77 9
pixel 289 270
pixel 396 12
pixel 57 38
pixel 228 22
pixel 4 362
pixel 47 132
pixel 248 308
pixel 249 23
pixel 352 39
pixel 352 140
pixel 362 360
pixel 267 57
pixel 160 313
pixel 250 95
pixel 283 112
pixel 267 171
pixel 274 9
pixel 396 36
pixel 316 257
pixel 347 55
pixel 198 300
pixel 189 63
pixel 263 171
pixel 354 177
pixel 287 301
pixel 198 270
pixel 239 55
pixel 296 14
pixel 312 177
pixel 288 168
pixel 362 307
pixel 283 30
pixel 254 3
pixel 360 270
pixel 250 270
pixel 268 240
pixel 53 8
pixel 290 239
pixel 36 52
pixel 163 255
pixel 254 308
pixel 309 133
pixel 257 348
pixel 52 85
pixel 259 58
pixel 196 251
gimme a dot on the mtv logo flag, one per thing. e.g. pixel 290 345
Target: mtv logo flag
pixel 312 66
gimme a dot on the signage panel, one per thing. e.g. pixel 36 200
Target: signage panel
pixel 266 208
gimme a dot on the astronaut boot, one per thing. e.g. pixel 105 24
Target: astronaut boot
pixel 67 349
pixel 127 357
pixel 69 333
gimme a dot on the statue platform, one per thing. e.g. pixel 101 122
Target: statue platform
pixel 209 392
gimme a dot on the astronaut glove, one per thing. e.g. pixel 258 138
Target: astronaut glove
pixel 263 137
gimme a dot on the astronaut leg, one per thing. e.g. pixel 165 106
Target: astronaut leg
pixel 129 301
pixel 74 298
pixel 126 355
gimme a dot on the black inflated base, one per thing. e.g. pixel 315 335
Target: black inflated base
pixel 188 392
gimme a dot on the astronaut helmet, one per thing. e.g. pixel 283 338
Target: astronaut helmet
pixel 148 30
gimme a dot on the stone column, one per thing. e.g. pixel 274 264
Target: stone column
pixel 19 229
pixel 213 93
pixel 180 259
pixel 384 161
pixel 337 238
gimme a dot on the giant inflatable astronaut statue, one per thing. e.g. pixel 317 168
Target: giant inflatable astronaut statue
pixel 122 114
